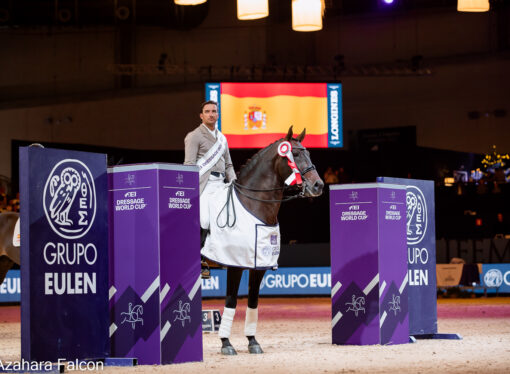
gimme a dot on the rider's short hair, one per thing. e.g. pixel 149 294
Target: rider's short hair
pixel 207 103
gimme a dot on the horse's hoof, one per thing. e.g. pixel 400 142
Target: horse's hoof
pixel 228 351
pixel 255 349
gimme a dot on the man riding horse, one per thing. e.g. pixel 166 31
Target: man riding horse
pixel 207 148
pixel 242 219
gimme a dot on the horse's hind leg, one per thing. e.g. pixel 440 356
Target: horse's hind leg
pixel 5 264
pixel 252 312
pixel 233 280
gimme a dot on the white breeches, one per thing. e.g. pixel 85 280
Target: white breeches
pixel 213 185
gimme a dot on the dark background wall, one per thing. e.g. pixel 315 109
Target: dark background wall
pixel 422 64
pixel 126 78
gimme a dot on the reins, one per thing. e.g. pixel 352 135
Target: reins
pixel 301 193
pixel 239 188
pixel 229 204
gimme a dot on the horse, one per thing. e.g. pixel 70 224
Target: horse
pixel 9 253
pixel 261 187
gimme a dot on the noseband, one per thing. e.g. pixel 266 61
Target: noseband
pixel 308 169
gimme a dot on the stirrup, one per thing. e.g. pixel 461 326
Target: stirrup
pixel 205 272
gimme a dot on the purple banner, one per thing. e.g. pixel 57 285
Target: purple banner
pixel 368 264
pixel 64 254
pixel 155 298
pixel 421 254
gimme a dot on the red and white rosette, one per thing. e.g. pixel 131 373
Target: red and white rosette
pixel 285 150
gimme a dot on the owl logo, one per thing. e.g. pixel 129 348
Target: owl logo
pixel 70 199
pixel 416 215
pixel 63 189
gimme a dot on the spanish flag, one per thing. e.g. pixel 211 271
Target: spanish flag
pixel 253 115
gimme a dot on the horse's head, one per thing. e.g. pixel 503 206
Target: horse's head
pixel 312 182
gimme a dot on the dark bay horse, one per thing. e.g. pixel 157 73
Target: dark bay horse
pixel 9 254
pixel 260 189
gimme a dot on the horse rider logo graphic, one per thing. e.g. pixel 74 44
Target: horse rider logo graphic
pixel 395 304
pixel 132 316
pixel 130 179
pixel 356 305
pixel 69 199
pixel 416 215
pixel 266 251
pixel 180 178
pixel 182 314
pixel 354 195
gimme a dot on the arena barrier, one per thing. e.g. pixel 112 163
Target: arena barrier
pixel 421 257
pixel 155 295
pixel 368 264
pixel 64 255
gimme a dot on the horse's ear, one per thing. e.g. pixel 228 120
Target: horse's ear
pixel 288 137
pixel 301 136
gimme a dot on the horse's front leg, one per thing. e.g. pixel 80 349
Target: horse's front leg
pixel 233 280
pixel 252 312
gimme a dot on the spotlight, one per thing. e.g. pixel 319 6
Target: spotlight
pixel 387 3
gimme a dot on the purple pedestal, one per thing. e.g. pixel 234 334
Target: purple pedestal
pixel 155 295
pixel 369 264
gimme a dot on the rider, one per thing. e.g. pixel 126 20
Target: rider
pixel 207 147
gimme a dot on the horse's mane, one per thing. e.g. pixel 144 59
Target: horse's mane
pixel 252 161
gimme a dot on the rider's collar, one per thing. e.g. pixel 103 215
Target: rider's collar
pixel 285 150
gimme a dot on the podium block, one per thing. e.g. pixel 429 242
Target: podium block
pixel 64 254
pixel 368 264
pixel 421 255
pixel 155 293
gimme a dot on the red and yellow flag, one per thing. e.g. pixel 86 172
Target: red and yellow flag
pixel 253 115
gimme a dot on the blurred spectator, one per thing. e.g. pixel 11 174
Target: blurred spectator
pixel 3 202
pixel 499 175
pixel 501 227
pixel 330 176
pixel 342 175
pixel 7 205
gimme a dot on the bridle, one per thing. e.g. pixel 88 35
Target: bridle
pixel 300 194
pixel 229 204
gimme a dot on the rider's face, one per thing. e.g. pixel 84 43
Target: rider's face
pixel 209 115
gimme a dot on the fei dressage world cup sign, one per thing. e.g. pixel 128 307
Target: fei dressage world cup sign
pixel 64 255
pixel 421 254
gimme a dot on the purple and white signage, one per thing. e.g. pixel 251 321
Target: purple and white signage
pixel 368 264
pixel 155 295
pixel 64 254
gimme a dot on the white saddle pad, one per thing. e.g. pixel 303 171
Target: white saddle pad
pixel 250 243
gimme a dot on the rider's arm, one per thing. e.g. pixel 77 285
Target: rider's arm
pixel 191 144
pixel 229 167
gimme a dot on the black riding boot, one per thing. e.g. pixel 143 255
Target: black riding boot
pixel 205 272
